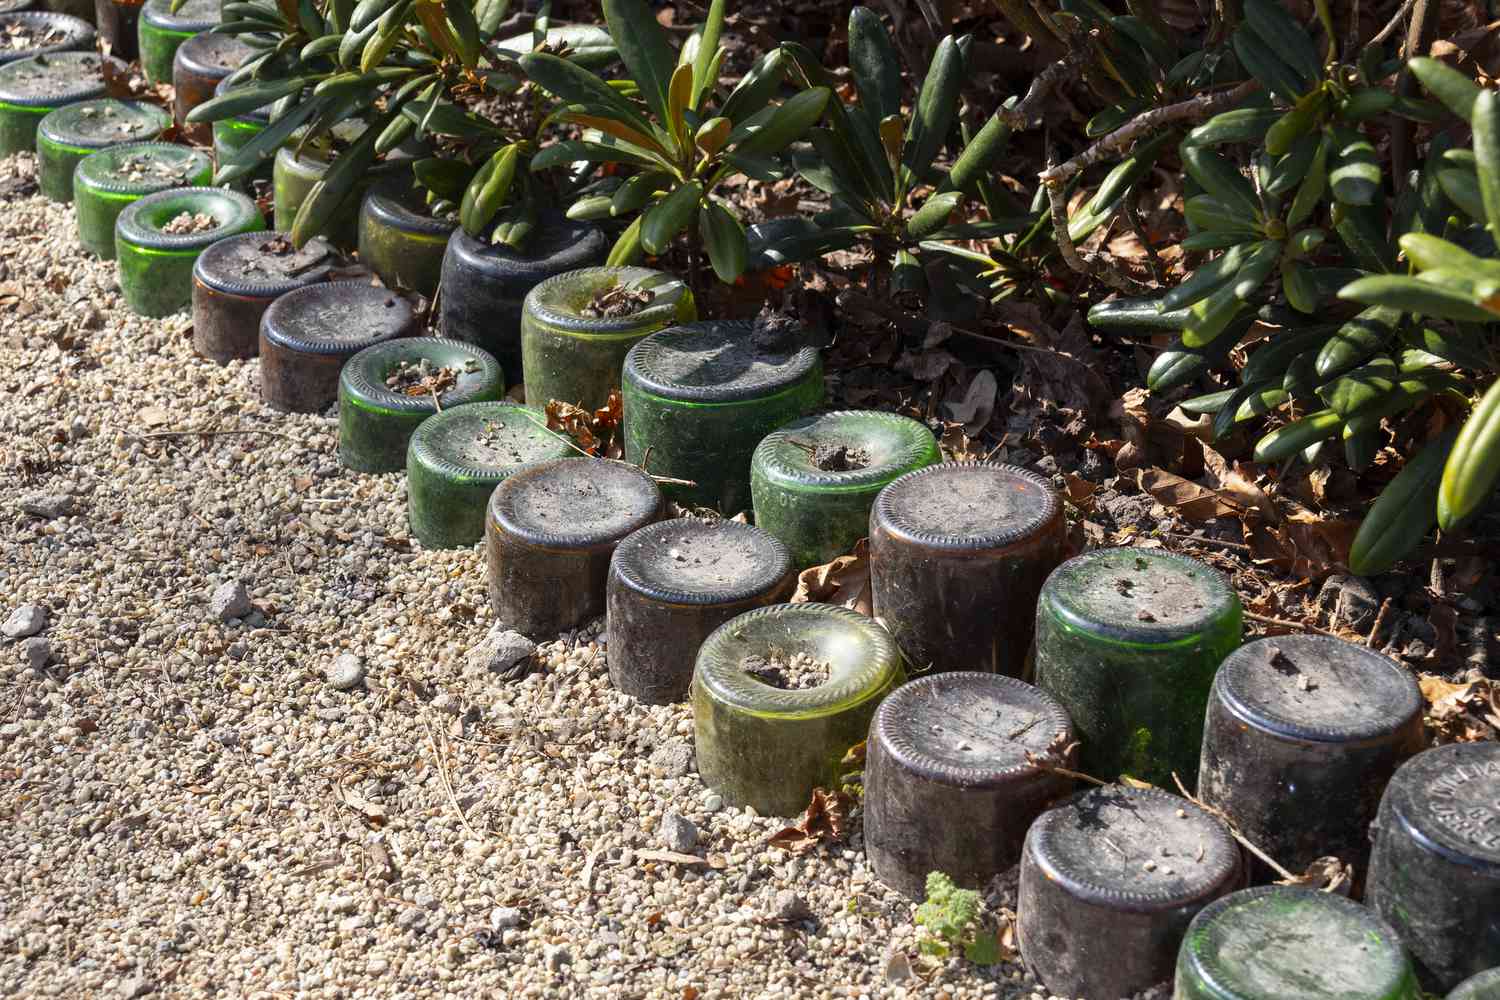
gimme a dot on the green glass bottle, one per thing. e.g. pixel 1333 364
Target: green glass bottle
pixel 780 695
pixel 162 29
pixel 400 239
pixel 106 181
pixel 156 264
pixel 382 402
pixel 814 480
pixel 32 88
pixel 1129 641
pixel 577 327
pixel 296 172
pixel 458 457
pixel 231 134
pixel 699 397
pixel 1276 942
pixel 72 132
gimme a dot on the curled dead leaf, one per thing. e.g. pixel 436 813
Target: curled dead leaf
pixel 845 581
pixel 826 818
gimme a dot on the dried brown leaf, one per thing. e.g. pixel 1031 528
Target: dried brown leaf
pixel 826 818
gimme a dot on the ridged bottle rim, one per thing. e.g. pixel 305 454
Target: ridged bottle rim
pixel 356 374
pixel 1208 594
pixel 595 521
pixel 770 561
pixel 1200 959
pixel 1021 718
pixel 386 204
pixel 1059 842
pixel 210 266
pixel 429 443
pixel 660 364
pixel 1317 689
pixel 903 443
pixel 557 244
pixel 96 170
pixel 1481 986
pixel 1446 800
pixel 283 322
pixel 146 122
pixel 79 34
pixel 233 210
pixel 549 302
pixel 1030 505
pixel 192 57
pixel 15 6
pixel 73 63
pixel 863 657
pixel 194 15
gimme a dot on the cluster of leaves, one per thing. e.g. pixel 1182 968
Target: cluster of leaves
pixel 684 143
pixel 432 77
pixel 953 922
pixel 1287 192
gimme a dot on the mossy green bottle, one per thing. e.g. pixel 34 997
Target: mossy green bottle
pixel 576 329
pixel 1129 641
pixel 1277 942
pixel 700 396
pixel 765 745
pixel 384 395
pixel 162 29
pixel 107 181
pixel 30 89
pixel 458 457
pixel 296 172
pixel 72 132
pixel 815 479
pixel 156 265
pixel 399 237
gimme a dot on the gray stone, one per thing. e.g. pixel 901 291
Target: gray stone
pixel 136 986
pixel 447 704
pixel 672 760
pixel 27 620
pixel 230 600
pixel 555 956
pixel 505 916
pixel 1350 601
pixel 346 672
pixel 38 652
pixel 504 652
pixel 788 907
pixel 678 833
pixel 47 505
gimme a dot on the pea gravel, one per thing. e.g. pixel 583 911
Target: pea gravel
pixel 192 806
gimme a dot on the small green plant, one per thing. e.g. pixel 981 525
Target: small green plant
pixel 683 143
pixel 952 920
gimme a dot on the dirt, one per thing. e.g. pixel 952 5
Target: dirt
pixel 618 301
pixel 794 672
pixel 421 379
pixel 840 458
pixel 190 223
pixel 138 167
pixel 21 37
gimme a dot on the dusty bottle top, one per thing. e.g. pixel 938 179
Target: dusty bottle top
pixel 1134 849
pixel 1283 943
pixel 967 506
pixel 715 362
pixel 692 561
pixel 1317 689
pixel 575 503
pixel 1139 596
pixel 337 317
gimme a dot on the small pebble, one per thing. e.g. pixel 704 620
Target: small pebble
pixel 27 620
pixel 346 672
pixel 788 907
pixel 38 652
pixel 678 833
pixel 230 600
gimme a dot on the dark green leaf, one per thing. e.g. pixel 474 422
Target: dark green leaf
pixel 643 48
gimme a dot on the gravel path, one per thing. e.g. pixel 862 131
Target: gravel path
pixel 192 806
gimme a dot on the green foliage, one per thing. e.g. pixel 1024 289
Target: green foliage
pixel 951 917
pixel 428 76
pixel 682 141
pixel 870 158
